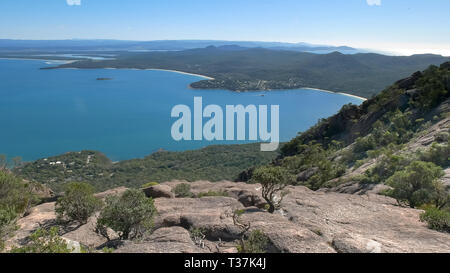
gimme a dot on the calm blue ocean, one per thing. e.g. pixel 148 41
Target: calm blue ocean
pixel 50 112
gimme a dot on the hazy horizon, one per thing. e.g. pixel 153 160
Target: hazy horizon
pixel 398 26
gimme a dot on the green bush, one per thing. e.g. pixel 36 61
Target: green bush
pixel 107 250
pixel 437 219
pixel 130 215
pixel 45 241
pixel 16 197
pixel 183 191
pixel 439 154
pixel 273 181
pixel 78 203
pixel 442 137
pixel 15 193
pixel 8 217
pixel 363 144
pixel 315 156
pixel 257 242
pixel 417 184
pixel 386 167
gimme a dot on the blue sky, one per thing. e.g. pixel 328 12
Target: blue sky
pixel 403 26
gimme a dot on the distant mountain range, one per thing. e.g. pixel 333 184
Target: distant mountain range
pixel 119 45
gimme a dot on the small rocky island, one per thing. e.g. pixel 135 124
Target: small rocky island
pixel 104 79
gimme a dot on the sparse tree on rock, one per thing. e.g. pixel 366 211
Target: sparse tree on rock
pixel 273 180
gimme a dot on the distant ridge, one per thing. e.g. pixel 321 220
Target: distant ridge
pixel 123 45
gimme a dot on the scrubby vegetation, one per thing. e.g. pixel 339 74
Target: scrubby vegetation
pixel 434 87
pixel 16 197
pixel 183 190
pixel 388 164
pixel 7 223
pixel 314 165
pixel 45 241
pixel 255 242
pixel 198 236
pixel 417 184
pixel 437 219
pixel 130 215
pixel 273 180
pixel 214 163
pixel 78 203
pixel 439 154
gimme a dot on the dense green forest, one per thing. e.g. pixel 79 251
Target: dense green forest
pixel 242 69
pixel 214 163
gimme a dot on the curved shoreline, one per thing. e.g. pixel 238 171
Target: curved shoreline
pixel 181 72
pixel 190 74
pixel 155 69
pixel 341 93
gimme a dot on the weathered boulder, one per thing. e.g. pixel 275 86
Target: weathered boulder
pixel 354 187
pixel 86 234
pixel 40 216
pixel 44 193
pixel 163 240
pixel 111 192
pixel 247 194
pixel 309 222
pixel 363 219
pixel 286 236
pixel 210 213
pixel 159 191
pixel 214 215
pixel 353 243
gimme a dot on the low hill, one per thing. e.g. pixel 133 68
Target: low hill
pixel 214 163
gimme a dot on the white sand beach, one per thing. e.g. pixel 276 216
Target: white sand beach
pixel 181 72
pixel 341 93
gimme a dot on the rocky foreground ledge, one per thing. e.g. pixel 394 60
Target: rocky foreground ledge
pixel 309 222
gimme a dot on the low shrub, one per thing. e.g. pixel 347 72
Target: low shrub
pixel 78 203
pixel 183 191
pixel 130 215
pixel 437 219
pixel 45 241
pixel 256 242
